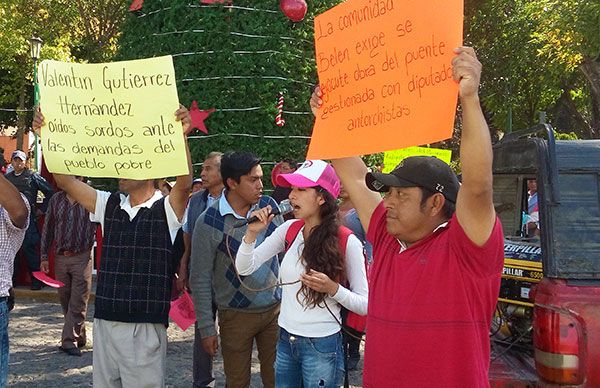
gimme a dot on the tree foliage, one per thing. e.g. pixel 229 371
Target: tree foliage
pixel 82 30
pixel 569 34
pixel 539 56
pixel 100 27
pixel 20 20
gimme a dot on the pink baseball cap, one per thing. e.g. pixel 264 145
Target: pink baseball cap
pixel 310 174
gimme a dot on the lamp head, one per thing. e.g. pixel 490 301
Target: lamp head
pixel 36 46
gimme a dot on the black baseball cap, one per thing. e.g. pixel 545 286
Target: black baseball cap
pixel 417 171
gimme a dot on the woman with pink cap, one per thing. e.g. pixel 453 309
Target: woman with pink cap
pixel 317 275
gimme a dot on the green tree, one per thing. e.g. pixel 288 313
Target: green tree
pixel 20 20
pixel 236 59
pixel 82 30
pixel 569 34
pixel 539 55
pixel 516 84
pixel 100 24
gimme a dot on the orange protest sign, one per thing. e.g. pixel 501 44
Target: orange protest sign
pixel 386 76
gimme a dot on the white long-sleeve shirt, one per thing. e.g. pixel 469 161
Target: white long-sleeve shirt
pixel 294 317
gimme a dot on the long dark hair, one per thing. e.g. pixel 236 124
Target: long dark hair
pixel 321 250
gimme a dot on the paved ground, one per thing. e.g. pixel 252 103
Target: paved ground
pixel 35 361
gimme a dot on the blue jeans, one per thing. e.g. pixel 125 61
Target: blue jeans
pixel 3 342
pixel 309 361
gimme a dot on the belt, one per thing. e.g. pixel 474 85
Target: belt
pixel 69 253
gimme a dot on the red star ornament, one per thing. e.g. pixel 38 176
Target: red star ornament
pixel 198 116
pixel 136 5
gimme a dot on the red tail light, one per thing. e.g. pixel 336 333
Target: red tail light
pixel 556 340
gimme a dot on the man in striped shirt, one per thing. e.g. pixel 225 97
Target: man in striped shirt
pixel 14 216
pixel 68 225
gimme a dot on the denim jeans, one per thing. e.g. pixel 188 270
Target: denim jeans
pixel 309 361
pixel 3 342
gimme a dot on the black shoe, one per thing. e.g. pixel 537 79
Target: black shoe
pixel 81 345
pixel 35 287
pixel 71 351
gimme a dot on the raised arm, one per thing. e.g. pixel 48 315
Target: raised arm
pixel 249 257
pixel 474 205
pixel 81 192
pixel 13 203
pixel 352 172
pixel 181 191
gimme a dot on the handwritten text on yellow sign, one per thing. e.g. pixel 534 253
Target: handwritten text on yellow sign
pixel 112 119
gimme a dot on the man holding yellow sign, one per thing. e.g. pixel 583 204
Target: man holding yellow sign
pixel 139 226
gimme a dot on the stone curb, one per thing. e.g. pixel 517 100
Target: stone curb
pixel 45 294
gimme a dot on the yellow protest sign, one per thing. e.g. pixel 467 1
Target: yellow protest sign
pixel 386 75
pixel 112 119
pixel 392 158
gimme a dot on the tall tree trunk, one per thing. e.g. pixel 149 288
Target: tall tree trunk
pixel 591 70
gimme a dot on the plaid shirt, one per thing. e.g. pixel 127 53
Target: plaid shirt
pixel 68 225
pixel 11 239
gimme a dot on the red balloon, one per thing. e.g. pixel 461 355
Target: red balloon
pixel 295 10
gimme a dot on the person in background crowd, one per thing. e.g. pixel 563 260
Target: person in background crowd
pixel 533 210
pixel 164 187
pixel 67 225
pixel 29 183
pixel 14 216
pixel 137 271
pixel 245 315
pixel 199 201
pixel 309 351
pixel 2 161
pixel 196 185
pixel 286 166
pixel 349 218
pixel 437 255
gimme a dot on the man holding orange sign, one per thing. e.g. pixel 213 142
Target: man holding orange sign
pixel 437 255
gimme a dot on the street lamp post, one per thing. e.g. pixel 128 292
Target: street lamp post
pixel 36 46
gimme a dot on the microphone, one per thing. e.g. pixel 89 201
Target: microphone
pixel 283 208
